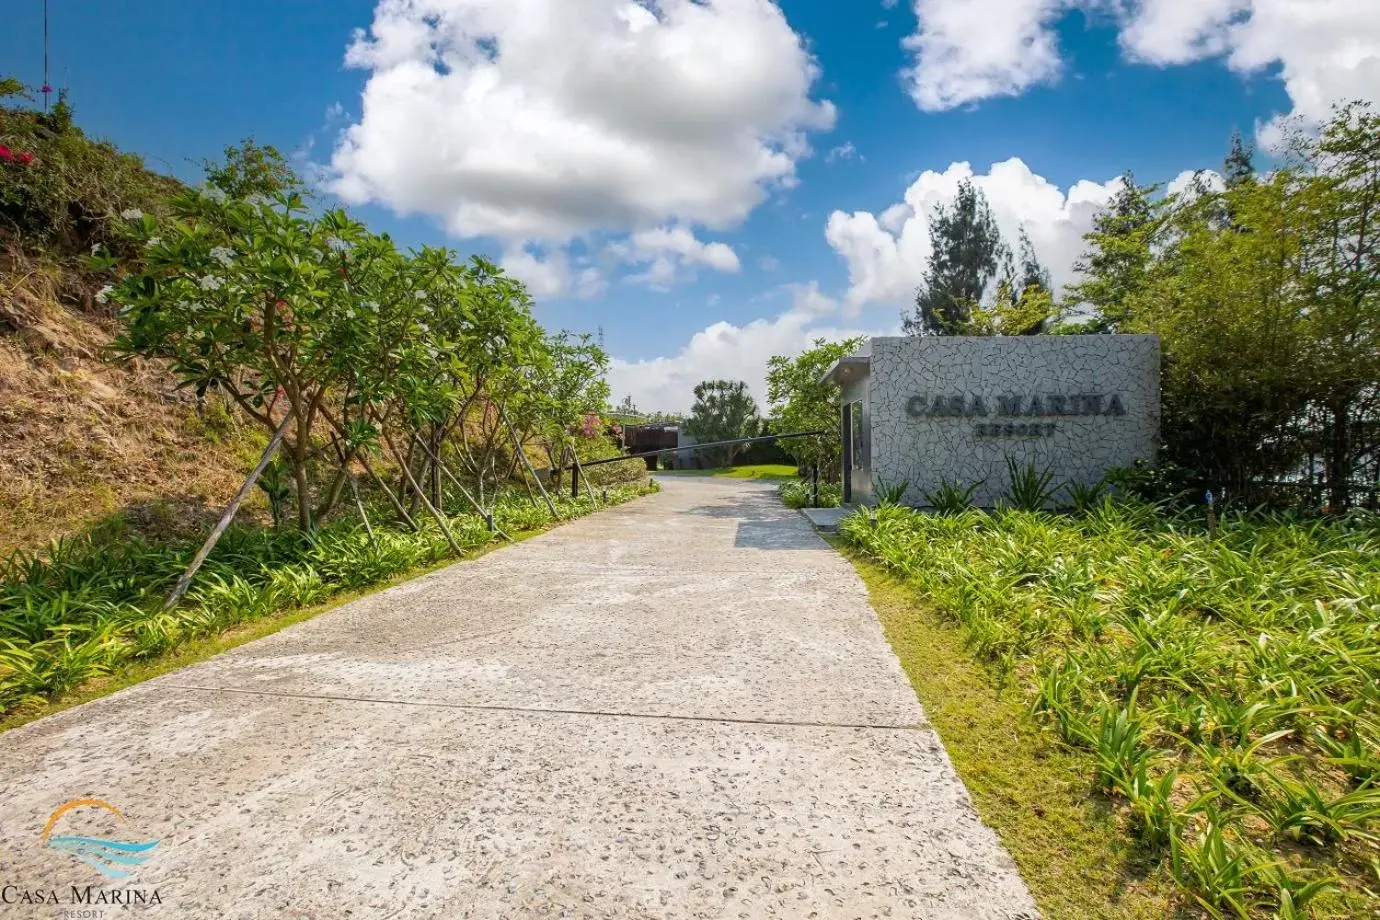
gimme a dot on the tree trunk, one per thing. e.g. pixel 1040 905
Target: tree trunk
pixel 431 509
pixel 435 455
pixel 299 473
pixel 338 483
pixel 392 499
pixel 468 497
pixel 300 446
pixel 1338 458
pixel 517 445
pixel 363 515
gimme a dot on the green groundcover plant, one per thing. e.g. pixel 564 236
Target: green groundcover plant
pixel 799 493
pixel 1224 691
pixel 87 607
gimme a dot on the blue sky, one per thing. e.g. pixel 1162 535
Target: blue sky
pixel 708 182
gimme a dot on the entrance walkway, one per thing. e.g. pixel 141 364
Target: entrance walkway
pixel 682 707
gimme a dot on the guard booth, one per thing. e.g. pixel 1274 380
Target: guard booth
pixel 928 410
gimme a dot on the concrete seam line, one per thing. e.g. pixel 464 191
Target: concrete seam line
pixel 536 710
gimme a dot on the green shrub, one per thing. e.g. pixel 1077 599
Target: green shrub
pixel 89 606
pixel 1224 693
pixel 1031 489
pixel 799 493
pixel 952 497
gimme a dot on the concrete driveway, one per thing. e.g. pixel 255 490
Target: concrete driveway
pixel 682 707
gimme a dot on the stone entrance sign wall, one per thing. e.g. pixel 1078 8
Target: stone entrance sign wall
pixel 952 409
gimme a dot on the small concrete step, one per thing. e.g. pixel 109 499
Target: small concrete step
pixel 826 520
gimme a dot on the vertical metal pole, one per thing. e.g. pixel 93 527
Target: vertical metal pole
pixel 814 485
pixel 46 81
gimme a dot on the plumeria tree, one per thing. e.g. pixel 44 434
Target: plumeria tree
pixel 346 348
pixel 249 298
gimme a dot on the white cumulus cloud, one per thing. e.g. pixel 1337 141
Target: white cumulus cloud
pixel 1175 32
pixel 967 50
pixel 549 119
pixel 731 351
pixel 887 254
pixel 1325 51
pixel 671 254
pixel 554 275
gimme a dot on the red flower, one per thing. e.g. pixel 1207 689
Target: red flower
pixel 282 305
pixel 5 153
pixel 25 158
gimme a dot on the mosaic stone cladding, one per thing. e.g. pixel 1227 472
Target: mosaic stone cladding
pixel 954 408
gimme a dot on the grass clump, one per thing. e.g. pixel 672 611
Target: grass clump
pixel 799 493
pixel 1069 847
pixel 1220 696
pixel 92 606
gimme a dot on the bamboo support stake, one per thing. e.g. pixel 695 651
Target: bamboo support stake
pixel 426 502
pixel 393 499
pixel 185 581
pixel 373 474
pixel 488 516
pixel 354 490
pixel 517 445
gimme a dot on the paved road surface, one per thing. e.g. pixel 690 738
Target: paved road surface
pixel 682 707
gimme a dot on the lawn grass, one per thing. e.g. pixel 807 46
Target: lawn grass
pixel 1069 844
pixel 757 471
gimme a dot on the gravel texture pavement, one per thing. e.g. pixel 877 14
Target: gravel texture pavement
pixel 680 707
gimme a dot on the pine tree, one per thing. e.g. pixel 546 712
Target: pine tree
pixel 723 410
pixel 1113 267
pixel 1238 167
pixel 1032 272
pixel 967 252
pixel 1033 288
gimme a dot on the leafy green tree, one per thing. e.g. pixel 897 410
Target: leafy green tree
pixel 1335 186
pixel 801 401
pixel 1028 312
pixel 1023 304
pixel 1225 307
pixel 967 253
pixel 1270 321
pixel 250 169
pixel 723 410
pixel 242 298
pixel 565 382
pixel 1033 273
pixel 1118 256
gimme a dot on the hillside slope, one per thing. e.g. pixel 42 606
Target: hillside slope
pixel 84 441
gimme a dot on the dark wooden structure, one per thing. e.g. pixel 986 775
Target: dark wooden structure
pixel 643 439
